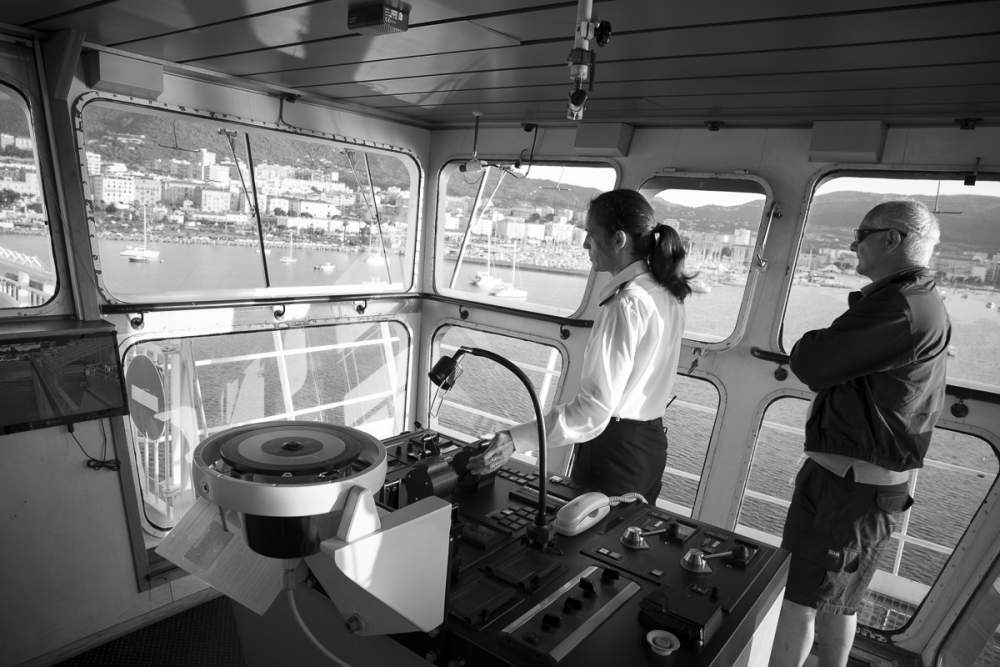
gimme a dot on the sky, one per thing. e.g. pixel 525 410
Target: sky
pixel 604 179
pixel 909 186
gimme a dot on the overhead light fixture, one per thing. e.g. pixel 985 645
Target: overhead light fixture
pixel 581 57
pixel 378 17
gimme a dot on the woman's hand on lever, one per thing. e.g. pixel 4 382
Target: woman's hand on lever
pixel 494 455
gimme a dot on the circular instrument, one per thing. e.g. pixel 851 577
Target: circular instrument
pixel 299 451
pixel 287 468
pixel 284 477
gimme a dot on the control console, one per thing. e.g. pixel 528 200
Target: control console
pixel 643 586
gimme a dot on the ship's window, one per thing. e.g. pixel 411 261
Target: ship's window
pixel 182 209
pixel 975 636
pixel 718 221
pixel 513 235
pixel 958 471
pixel 27 269
pixel 488 397
pixel 689 420
pixel 966 263
pixel 190 388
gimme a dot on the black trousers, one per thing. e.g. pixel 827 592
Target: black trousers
pixel 628 456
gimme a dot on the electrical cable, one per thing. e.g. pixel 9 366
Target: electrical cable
pixel 630 497
pixel 308 633
pixel 531 152
pixel 101 463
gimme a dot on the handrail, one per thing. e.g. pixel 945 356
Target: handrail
pixel 130 308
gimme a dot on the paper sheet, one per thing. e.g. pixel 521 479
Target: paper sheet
pixel 215 552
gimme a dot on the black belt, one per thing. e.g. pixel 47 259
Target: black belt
pixel 638 421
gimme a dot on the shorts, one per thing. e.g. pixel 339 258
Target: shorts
pixel 836 531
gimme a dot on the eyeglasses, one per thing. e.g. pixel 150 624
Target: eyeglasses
pixel 861 234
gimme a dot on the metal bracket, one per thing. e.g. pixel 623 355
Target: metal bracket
pixel 970 179
pixel 137 321
pixel 360 306
pixel 279 311
pixel 780 373
pixel 696 353
pixel 773 212
pixel 968 123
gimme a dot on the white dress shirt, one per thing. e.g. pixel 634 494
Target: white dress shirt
pixel 629 363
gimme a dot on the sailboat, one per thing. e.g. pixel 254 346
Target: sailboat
pixel 486 279
pixel 142 254
pixel 511 291
pixel 374 252
pixel 290 258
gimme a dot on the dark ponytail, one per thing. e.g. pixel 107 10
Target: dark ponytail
pixel 666 261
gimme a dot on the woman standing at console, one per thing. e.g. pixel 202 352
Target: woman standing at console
pixel 630 358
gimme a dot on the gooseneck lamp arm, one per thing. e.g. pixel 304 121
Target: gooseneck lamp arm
pixel 443 375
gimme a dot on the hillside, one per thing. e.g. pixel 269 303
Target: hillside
pixel 831 218
pixel 976 228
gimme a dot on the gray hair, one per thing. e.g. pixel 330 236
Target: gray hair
pixel 915 220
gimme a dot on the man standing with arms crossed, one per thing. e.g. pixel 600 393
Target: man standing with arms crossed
pixel 879 374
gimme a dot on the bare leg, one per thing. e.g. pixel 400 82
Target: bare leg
pixel 834 637
pixel 794 638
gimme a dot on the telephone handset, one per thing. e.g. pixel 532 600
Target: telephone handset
pixel 582 513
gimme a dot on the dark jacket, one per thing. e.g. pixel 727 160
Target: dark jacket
pixel 879 373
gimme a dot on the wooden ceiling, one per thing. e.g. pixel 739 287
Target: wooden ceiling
pixel 668 61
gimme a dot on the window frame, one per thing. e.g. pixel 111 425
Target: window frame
pixel 829 174
pixel 259 294
pixel 150 568
pixel 739 183
pixel 434 350
pixel 24 85
pixel 527 307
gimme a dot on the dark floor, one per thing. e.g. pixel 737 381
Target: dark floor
pixel 204 636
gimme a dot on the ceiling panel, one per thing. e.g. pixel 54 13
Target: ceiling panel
pixel 844 84
pixel 784 60
pixel 299 25
pixel 644 41
pixel 125 20
pixel 707 73
pixel 633 61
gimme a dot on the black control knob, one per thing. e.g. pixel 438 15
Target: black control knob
pixel 609 575
pixel 550 621
pixel 741 553
pixel 673 530
pixel 588 588
pixel 572 604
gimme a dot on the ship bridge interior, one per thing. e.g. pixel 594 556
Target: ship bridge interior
pixel 229 214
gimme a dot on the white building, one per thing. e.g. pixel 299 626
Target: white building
pixel 216 173
pixel 534 231
pixel 93 162
pixel 148 191
pixel 559 232
pixel 510 229
pixel 313 207
pixel 117 190
pixel 212 200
